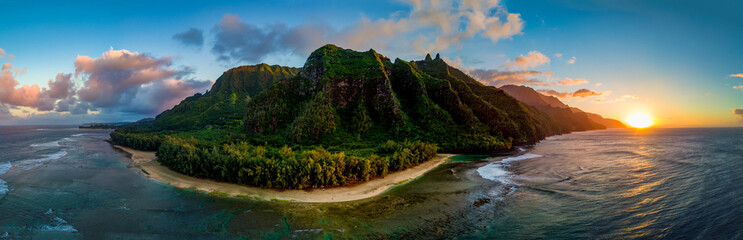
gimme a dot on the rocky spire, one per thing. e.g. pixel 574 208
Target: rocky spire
pixel 428 57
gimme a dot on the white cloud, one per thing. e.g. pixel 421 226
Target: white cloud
pixel 430 26
pixel 531 60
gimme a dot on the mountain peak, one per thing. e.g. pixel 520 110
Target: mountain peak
pixel 428 57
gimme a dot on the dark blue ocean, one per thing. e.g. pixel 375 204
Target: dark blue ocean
pixel 60 182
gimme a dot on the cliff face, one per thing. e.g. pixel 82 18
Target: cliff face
pixel 569 118
pixel 342 96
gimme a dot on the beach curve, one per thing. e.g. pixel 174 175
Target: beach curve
pixel 154 170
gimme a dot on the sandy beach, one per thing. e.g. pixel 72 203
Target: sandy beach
pixel 146 162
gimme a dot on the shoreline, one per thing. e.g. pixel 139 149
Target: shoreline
pixel 145 161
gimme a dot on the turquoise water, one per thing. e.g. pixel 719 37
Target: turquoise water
pixel 67 183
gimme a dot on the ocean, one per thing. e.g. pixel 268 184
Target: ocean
pixel 60 182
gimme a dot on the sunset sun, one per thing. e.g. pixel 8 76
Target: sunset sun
pixel 640 120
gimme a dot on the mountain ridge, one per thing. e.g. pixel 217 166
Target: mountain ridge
pixel 556 108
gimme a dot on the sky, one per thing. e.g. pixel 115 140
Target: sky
pixel 101 61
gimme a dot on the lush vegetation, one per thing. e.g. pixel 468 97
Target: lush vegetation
pixel 285 168
pixel 345 117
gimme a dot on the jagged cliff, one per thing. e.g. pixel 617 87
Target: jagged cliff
pixel 341 95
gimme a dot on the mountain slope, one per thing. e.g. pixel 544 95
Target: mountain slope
pixel 566 116
pixel 342 96
pixel 224 104
pixel 344 117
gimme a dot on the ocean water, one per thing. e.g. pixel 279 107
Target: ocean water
pixel 60 182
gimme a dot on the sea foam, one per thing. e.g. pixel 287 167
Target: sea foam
pixel 497 171
pixel 32 163
pixel 53 144
pixel 58 224
pixel 4 167
pixel 47 144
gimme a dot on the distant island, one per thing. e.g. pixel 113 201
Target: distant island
pixel 344 118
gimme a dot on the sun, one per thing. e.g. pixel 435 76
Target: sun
pixel 640 120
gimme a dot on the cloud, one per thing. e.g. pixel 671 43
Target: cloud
pixel 740 75
pixel 61 87
pixel 239 41
pixel 132 82
pixel 739 112
pixel 558 55
pixel 598 84
pixel 531 60
pixel 429 26
pixel 571 61
pixel 500 78
pixel 569 82
pixel 458 64
pixel 580 93
pixel 5 113
pixel 2 53
pixel 740 87
pixel 555 93
pixel 584 93
pixel 192 37
pixel 28 95
pixel 627 97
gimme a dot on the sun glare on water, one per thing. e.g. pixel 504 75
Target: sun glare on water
pixel 640 120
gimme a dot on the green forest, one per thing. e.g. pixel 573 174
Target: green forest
pixel 344 117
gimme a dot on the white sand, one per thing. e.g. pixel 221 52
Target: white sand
pixel 153 169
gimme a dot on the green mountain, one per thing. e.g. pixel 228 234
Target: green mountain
pixel 224 104
pixel 341 94
pixel 344 117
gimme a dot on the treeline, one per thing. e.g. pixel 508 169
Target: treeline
pixel 139 141
pixel 287 169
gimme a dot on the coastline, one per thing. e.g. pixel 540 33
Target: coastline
pixel 145 161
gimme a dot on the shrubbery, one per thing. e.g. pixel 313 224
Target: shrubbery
pixel 139 141
pixel 284 168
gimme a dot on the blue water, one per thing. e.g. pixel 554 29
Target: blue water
pixel 617 184
pixel 68 183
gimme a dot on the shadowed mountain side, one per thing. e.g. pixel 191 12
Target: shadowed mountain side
pixel 224 104
pixel 607 122
pixel 559 111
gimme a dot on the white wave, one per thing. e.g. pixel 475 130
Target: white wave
pixel 5 235
pixel 47 144
pixel 32 163
pixel 3 187
pixel 315 231
pixel 58 225
pixel 52 144
pixel 497 171
pixel 79 134
pixel 4 167
pixel 520 157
